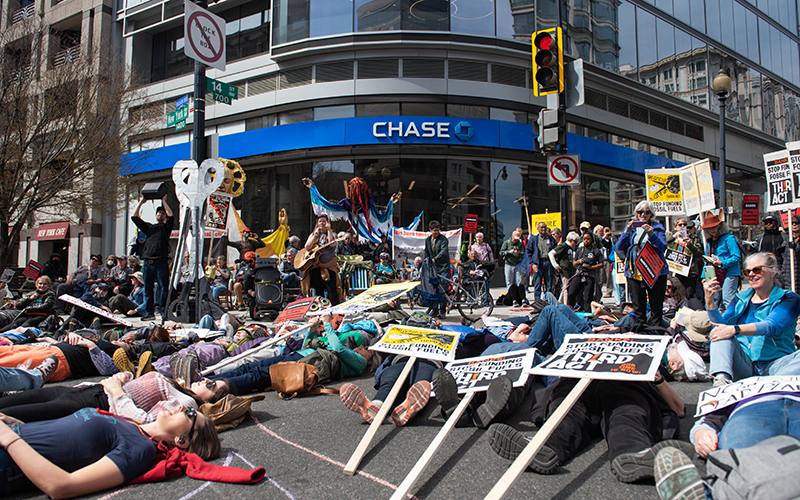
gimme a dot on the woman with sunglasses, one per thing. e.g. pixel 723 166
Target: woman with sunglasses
pixel 643 229
pixel 140 399
pixel 92 450
pixel 755 335
pixel 793 252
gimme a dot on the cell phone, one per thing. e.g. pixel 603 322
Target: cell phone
pixel 638 223
pixel 709 273
pixel 684 234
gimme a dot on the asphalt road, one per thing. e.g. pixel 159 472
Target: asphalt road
pixel 304 443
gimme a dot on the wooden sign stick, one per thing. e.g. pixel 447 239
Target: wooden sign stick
pixel 412 476
pixel 533 447
pixel 248 352
pixel 361 449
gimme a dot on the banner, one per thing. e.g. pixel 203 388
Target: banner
pixel 217 211
pixel 372 297
pixel 409 244
pixel 552 219
pixel 780 190
pixel 690 191
pixel 295 310
pixel 612 357
pixel 100 312
pixel 418 342
pixel 705 184
pixel 750 209
pixel 476 374
pixel 649 263
pixel 727 395
pixel 663 188
pixel 679 260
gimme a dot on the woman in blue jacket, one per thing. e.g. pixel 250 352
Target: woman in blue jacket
pixel 727 259
pixel 640 231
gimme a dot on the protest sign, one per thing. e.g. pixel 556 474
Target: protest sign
pixel 683 315
pixel 612 357
pixel 750 209
pixel 793 150
pixel 370 298
pixel 217 213
pixel 248 353
pixel 780 190
pixel 663 188
pixel 705 184
pixel 409 244
pixel 7 275
pixel 690 190
pixel 476 374
pixel 619 269
pixel 552 219
pixel 295 310
pixel 679 260
pixel 418 342
pixel 100 312
pixel 785 216
pixel 731 394
pixel 32 270
pixel 649 263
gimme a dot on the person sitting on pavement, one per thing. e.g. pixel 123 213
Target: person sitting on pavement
pixel 119 277
pixel 385 272
pixel 80 317
pixel 755 335
pixel 53 269
pixel 34 307
pixel 674 299
pixel 218 276
pixel 134 304
pixel 80 281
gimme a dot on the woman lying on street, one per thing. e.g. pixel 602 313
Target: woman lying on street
pixel 92 450
pixel 140 399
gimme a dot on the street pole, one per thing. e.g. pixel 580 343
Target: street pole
pixel 721 85
pixel 198 155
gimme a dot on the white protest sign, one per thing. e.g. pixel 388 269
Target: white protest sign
pixel 100 312
pixel 691 192
pixel 609 357
pixel 780 191
pixel 722 397
pixel 476 374
pixel 370 298
pixel 418 342
pixel 705 184
pixel 793 148
pixel 679 260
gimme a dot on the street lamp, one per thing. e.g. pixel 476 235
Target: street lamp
pixel 504 174
pixel 721 86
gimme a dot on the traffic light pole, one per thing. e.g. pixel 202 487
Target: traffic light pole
pixel 562 108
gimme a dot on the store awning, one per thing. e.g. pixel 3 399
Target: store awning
pixel 57 231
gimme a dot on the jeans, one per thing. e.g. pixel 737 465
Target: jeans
pixel 760 421
pixel 53 402
pixel 290 280
pixel 545 274
pixel 254 376
pixel 217 290
pixel 422 370
pixel 727 356
pixel 513 276
pixel 12 479
pixel 18 379
pixel 729 287
pixel 157 272
pixel 207 323
pixel 554 322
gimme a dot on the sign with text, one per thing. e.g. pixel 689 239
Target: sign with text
pixel 727 395
pixel 750 209
pixel 793 150
pixel 612 357
pixel 679 260
pixel 94 309
pixel 295 310
pixel 785 216
pixel 780 190
pixel 705 184
pixel 204 36
pixel 218 206
pixel 221 91
pixel 552 219
pixel 649 264
pixel 32 270
pixel 663 188
pixel 418 342
pixel 370 298
pixel 690 191
pixel 470 223
pixel 476 374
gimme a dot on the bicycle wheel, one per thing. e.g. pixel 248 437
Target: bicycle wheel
pixel 474 300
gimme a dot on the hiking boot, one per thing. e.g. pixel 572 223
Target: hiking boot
pixel 496 399
pixel 632 467
pixel 145 364
pixel 446 389
pixel 354 400
pixel 183 367
pixel 677 477
pixel 509 443
pixel 47 367
pixel 97 326
pixel 122 361
pixel 416 399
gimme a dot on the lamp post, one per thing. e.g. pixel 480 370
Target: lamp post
pixel 721 86
pixel 504 174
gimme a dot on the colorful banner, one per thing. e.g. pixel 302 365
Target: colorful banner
pixel 679 260
pixel 731 394
pixel 100 312
pixel 217 211
pixel 552 219
pixel 418 342
pixel 476 374
pixel 409 244
pixel 663 188
pixel 612 357
pixel 780 189
pixel 370 298
pixel 705 184
pixel 295 310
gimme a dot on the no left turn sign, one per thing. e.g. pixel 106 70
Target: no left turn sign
pixel 563 170
pixel 204 36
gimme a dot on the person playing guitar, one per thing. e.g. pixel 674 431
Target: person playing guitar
pixel 323 274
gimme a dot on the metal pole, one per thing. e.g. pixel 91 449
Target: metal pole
pixel 723 195
pixel 198 155
pixel 494 240
pixel 198 249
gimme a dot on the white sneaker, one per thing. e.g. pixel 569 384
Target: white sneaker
pixel 225 324
pixel 721 379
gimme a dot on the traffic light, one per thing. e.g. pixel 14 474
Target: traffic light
pixel 548 62
pixel 552 129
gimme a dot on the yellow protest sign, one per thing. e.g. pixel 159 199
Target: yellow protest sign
pixel 373 296
pixel 552 219
pixel 418 342
pixel 663 187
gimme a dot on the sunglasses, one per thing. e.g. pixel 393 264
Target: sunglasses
pixel 681 224
pixel 95 260
pixel 754 271
pixel 670 287
pixel 794 223
pixel 644 212
pixel 191 414
pixel 211 385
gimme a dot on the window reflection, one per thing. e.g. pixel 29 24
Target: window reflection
pixel 330 17
pixel 377 15
pixel 472 16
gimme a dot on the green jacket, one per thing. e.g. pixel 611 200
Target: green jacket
pixel 440 253
pixel 512 259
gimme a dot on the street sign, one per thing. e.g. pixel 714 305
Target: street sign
pixel 178 116
pixel 470 223
pixel 750 210
pixel 205 36
pixel 183 101
pixel 563 170
pixel 222 92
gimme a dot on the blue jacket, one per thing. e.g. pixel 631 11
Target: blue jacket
pixel 630 243
pixel 775 328
pixel 137 296
pixel 728 252
pixel 532 250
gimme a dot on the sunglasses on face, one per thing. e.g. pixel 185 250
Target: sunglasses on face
pixel 670 287
pixel 794 223
pixel 191 414
pixel 681 224
pixel 754 271
pixel 644 212
pixel 211 385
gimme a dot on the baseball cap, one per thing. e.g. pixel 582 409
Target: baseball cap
pixel 122 257
pixel 770 218
pixel 250 256
pixel 585 224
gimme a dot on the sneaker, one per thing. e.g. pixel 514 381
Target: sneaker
pixel 145 364
pixel 97 326
pixel 183 367
pixel 446 389
pixel 48 367
pixel 721 379
pixel 509 443
pixel 122 361
pixel 416 399
pixel 354 400
pixel 515 304
pixel 632 467
pixel 677 477
pixel 225 324
pixel 149 317
pixel 496 399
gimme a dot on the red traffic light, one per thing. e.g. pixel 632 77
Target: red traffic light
pixel 548 62
pixel 544 41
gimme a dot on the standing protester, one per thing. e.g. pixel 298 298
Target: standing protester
pixel 53 269
pixel 436 248
pixel 155 254
pixel 323 275
pixel 692 246
pixel 772 240
pixel 561 258
pixel 538 249
pixel 699 291
pixel 512 252
pixel 786 269
pixel 608 265
pixel 632 241
pixel 727 258
pixel 588 258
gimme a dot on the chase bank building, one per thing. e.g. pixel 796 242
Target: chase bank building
pixel 434 98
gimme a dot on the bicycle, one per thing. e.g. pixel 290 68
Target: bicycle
pixel 470 297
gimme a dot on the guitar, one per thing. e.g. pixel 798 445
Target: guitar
pixel 305 258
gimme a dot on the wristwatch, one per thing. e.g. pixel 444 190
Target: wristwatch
pixel 737 329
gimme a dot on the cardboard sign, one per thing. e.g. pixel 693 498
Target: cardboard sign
pixel 612 357
pixel 295 310
pixel 690 190
pixel 649 264
pixel 619 269
pixel 679 260
pixel 100 312
pixel 370 298
pixel 552 219
pixel 418 342
pixel 727 395
pixel 663 188
pixel 32 270
pixel 471 223
pixel 476 374
pixel 705 184
pixel 780 190
pixel 750 210
pixel 7 275
pixel 217 212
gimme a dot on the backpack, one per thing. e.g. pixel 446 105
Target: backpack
pixel 327 363
pixel 51 323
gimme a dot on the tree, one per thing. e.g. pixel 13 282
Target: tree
pixel 64 126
